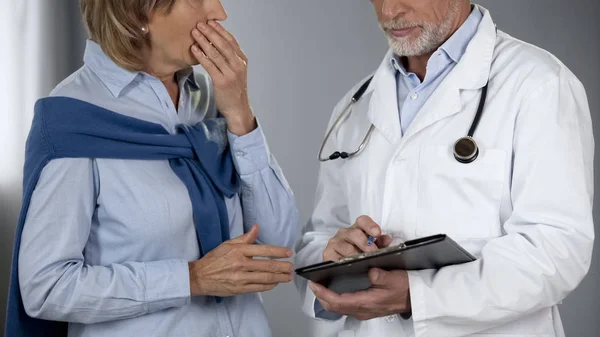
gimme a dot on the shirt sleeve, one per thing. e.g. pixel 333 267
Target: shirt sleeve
pixel 56 282
pixel 547 249
pixel 267 199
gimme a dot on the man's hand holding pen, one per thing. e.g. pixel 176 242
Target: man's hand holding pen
pixel 389 293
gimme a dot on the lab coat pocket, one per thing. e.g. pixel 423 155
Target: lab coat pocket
pixel 346 333
pixel 460 200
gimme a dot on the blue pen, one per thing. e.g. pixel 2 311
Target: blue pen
pixel 371 240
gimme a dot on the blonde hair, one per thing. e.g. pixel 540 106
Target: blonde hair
pixel 116 25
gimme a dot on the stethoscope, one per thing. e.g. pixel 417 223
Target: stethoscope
pixel 465 148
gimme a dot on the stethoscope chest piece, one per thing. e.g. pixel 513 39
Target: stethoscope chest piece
pixel 466 150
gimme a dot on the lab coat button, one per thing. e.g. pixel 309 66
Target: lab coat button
pixel 414 96
pixel 390 318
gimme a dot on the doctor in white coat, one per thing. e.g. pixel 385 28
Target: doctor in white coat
pixel 522 207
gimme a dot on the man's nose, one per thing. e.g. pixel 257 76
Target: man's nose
pixel 392 9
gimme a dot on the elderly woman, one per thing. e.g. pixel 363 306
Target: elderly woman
pixel 145 183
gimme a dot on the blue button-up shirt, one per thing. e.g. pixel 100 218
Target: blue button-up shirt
pixel 412 93
pixel 106 243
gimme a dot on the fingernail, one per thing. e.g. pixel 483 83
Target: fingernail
pixel 312 287
pixel 212 23
pixel 195 49
pixel 290 253
pixel 202 26
pixel 196 33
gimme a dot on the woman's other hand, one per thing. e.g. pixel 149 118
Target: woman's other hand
pixel 230 269
pixel 220 54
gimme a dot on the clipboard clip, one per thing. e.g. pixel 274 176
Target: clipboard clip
pixel 397 247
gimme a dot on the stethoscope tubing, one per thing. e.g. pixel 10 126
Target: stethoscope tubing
pixel 465 148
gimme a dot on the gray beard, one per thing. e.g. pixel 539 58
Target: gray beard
pixel 432 36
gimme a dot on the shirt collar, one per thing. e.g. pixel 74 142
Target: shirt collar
pixel 457 44
pixel 187 76
pixel 455 47
pixel 116 78
pixel 397 65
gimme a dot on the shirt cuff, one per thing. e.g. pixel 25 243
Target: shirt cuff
pixel 167 284
pixel 250 152
pixel 313 308
pixel 321 313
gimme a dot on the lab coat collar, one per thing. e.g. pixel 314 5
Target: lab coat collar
pixel 383 106
pixel 471 73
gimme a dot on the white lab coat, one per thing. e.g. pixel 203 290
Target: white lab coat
pixel 523 208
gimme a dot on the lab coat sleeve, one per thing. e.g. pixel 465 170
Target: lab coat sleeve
pixel 547 248
pixel 330 214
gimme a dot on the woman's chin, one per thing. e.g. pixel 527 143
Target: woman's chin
pixel 191 60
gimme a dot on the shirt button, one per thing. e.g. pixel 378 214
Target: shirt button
pixel 239 154
pixel 414 96
pixel 390 318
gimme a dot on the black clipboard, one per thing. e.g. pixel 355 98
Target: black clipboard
pixel 351 273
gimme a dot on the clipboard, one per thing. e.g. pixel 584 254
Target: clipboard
pixel 350 274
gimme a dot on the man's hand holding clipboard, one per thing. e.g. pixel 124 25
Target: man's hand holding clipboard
pixel 365 280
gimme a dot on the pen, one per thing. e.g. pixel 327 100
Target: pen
pixel 371 240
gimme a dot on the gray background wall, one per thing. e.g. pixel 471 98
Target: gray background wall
pixel 304 55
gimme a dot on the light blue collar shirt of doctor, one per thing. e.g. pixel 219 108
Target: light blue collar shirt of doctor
pixel 107 242
pixel 412 93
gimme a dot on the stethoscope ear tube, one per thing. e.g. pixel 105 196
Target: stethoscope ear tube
pixel 345 155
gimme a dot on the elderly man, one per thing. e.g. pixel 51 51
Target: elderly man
pixel 470 133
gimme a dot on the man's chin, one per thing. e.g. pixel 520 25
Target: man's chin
pixel 400 46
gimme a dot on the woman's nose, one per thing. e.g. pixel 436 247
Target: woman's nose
pixel 216 11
